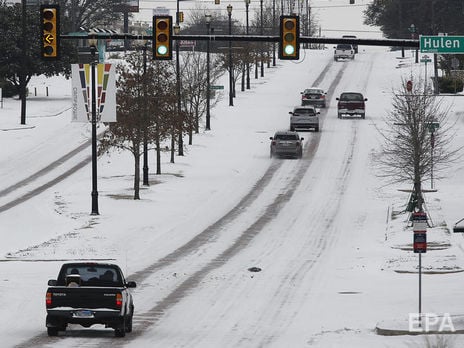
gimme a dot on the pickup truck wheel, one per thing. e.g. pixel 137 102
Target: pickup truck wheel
pixel 120 331
pixel 339 115
pixel 52 331
pixel 316 129
pixel 129 324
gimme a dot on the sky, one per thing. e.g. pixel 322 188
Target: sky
pixel 326 233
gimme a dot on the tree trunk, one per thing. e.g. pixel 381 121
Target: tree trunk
pixel 173 144
pixel 137 172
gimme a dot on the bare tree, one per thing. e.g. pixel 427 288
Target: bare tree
pixel 145 100
pixel 417 140
pixel 194 84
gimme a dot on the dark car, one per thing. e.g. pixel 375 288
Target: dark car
pixel 351 104
pixel 88 293
pixel 313 96
pixel 286 143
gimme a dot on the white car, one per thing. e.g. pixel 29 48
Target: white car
pixel 304 117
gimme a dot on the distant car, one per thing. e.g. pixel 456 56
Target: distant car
pixel 343 51
pixel 304 117
pixel 313 96
pixel 286 143
pixel 355 47
pixel 351 104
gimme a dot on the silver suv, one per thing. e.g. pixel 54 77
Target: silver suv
pixel 286 143
pixel 304 117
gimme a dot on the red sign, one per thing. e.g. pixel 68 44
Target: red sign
pixel 420 242
pixel 409 86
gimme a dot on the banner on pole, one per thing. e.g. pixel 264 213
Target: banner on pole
pixel 105 97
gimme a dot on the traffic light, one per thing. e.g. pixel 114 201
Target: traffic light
pixel 50 25
pixel 162 38
pixel 289 41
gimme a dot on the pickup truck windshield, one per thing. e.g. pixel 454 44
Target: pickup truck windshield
pixel 90 275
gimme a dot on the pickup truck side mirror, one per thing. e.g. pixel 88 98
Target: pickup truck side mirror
pixel 290 112
pixel 337 98
pixel 131 284
pixel 301 139
pixel 271 138
pixel 52 282
pixel 365 99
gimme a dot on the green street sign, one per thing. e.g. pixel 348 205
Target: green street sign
pixel 433 126
pixel 441 44
pixel 216 87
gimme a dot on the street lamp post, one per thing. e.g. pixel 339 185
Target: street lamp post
pixel 247 4
pixel 145 116
pixel 93 48
pixel 179 112
pixel 262 33
pixel 208 87
pixel 231 86
pixel 273 29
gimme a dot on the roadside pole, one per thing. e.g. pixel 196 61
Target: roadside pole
pixel 420 246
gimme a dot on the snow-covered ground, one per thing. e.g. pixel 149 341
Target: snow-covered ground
pixel 332 248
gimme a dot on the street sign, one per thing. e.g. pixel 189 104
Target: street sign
pixel 216 87
pixel 425 59
pixel 409 86
pixel 420 243
pixel 419 226
pixel 441 44
pixel 433 126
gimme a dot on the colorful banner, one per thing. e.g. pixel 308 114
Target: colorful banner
pixel 82 94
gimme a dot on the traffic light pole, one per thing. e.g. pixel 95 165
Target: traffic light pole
pixel 94 136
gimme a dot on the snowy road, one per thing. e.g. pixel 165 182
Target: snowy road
pixel 294 206
pixel 314 227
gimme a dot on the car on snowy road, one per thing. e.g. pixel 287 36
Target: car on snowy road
pixel 351 104
pixel 286 143
pixel 304 117
pixel 313 96
pixel 88 293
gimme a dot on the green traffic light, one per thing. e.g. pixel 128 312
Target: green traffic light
pixel 289 49
pixel 162 50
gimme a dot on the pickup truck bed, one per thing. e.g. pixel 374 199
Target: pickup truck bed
pixel 88 294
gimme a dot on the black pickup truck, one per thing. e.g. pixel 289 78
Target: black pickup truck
pixel 89 293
